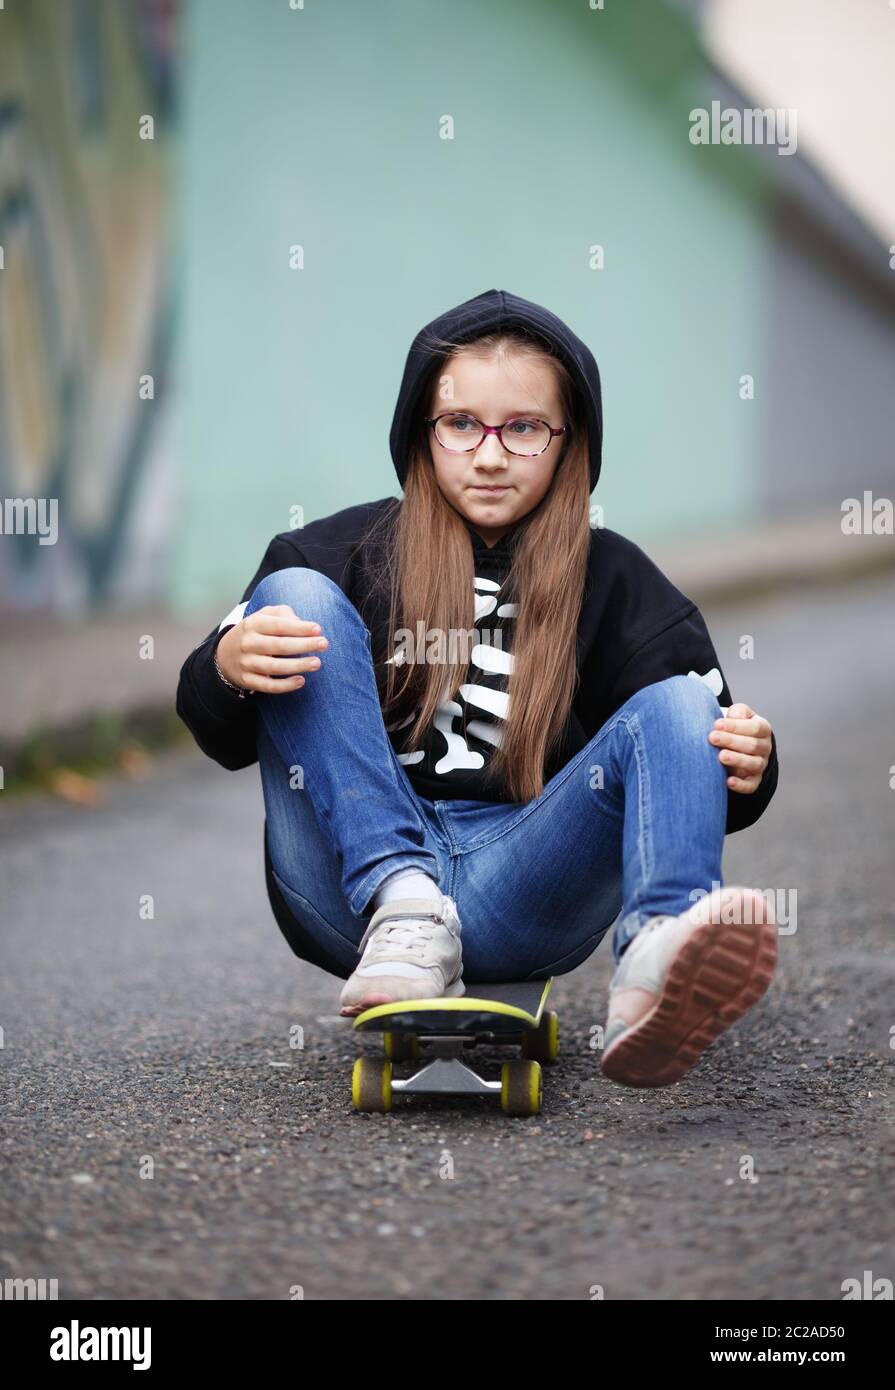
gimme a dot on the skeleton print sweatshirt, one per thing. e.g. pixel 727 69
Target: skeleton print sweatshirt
pixel 635 627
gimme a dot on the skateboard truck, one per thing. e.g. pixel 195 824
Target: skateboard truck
pixel 445 1074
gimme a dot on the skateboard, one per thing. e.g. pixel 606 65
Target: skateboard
pixel 440 1034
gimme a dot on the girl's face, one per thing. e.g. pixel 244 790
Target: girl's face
pixel 496 391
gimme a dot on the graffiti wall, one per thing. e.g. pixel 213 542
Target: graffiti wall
pixel 85 301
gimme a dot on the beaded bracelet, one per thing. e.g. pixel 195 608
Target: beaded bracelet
pixel 242 693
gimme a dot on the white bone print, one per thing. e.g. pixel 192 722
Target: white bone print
pixel 714 682
pixel 490 660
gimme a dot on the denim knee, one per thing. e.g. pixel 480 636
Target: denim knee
pixel 681 697
pixel 310 594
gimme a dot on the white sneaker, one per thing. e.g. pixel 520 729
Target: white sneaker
pixel 682 981
pixel 407 959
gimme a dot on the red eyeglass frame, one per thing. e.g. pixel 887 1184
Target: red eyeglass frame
pixel 496 429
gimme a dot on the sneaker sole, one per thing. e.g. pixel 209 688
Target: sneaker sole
pixel 720 971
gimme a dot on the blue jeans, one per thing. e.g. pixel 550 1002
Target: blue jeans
pixel 537 884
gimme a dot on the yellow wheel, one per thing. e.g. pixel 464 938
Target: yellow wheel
pixel 371 1085
pixel 521 1087
pixel 543 1044
pixel 401 1047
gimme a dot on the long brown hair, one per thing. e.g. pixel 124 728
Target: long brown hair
pixel 428 573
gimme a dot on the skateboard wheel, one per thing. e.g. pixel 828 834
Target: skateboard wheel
pixel 521 1087
pixel 371 1085
pixel 401 1047
pixel 542 1044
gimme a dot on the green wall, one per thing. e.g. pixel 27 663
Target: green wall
pixel 320 126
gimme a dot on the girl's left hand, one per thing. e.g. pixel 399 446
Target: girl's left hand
pixel 745 738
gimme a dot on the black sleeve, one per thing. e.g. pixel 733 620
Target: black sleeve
pixel 220 721
pixel 683 647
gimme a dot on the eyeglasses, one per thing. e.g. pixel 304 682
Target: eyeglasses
pixel 461 434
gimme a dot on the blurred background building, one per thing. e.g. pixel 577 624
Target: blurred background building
pixel 222 223
pixel 86 302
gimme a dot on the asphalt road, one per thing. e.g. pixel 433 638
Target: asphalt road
pixel 129 1040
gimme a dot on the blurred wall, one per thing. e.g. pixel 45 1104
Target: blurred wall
pixel 84 310
pixel 320 127
pixel 830 337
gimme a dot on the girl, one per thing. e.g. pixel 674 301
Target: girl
pixel 486 729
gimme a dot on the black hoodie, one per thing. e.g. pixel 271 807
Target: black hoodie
pixel 634 628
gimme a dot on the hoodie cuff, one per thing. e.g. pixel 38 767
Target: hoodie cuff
pixel 744 810
pixel 218 699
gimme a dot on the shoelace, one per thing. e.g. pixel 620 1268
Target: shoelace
pixel 409 937
pixel 437 915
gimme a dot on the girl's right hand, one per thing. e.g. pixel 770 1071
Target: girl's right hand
pixel 253 653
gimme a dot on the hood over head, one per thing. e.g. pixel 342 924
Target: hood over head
pixel 495 309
